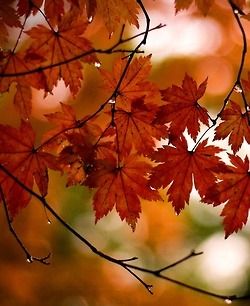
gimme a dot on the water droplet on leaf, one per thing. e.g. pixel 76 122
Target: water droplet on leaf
pixel 237 89
pixel 228 301
pixel 150 288
pixel 90 19
pixel 97 64
pixel 111 101
pixel 29 259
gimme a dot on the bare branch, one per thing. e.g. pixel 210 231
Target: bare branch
pixel 122 263
pixel 107 51
pixel 29 257
pixel 237 85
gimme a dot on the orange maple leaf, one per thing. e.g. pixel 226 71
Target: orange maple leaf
pixel 64 121
pixel 136 127
pixel 179 167
pixel 25 163
pixel 23 101
pixel 54 10
pixel 90 8
pixel 203 5
pixel 27 7
pixel 182 109
pixel 134 84
pixel 59 47
pixel 77 159
pixel 66 124
pixel 8 17
pixel 72 165
pixel 240 3
pixel 232 187
pixel 235 124
pixel 121 186
pixel 14 63
pixel 116 12
pixel 77 147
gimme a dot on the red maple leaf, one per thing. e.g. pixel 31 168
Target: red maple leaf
pixel 203 5
pixel 8 14
pixel 136 127
pixel 25 163
pixel 179 167
pixel 63 121
pixel 19 62
pixel 116 12
pixel 59 47
pixel 134 84
pixel 77 146
pixel 72 165
pixel 232 187
pixel 54 10
pixel 90 9
pixel 8 17
pixel 182 109
pixel 121 186
pixel 27 7
pixel 14 63
pixel 67 124
pixel 235 125
pixel 77 159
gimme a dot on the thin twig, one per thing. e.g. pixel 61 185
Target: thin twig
pixel 237 84
pixel 192 254
pixel 80 56
pixel 124 264
pixel 29 257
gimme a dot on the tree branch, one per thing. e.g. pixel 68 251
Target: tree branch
pixel 29 257
pixel 109 50
pixel 237 85
pixel 122 263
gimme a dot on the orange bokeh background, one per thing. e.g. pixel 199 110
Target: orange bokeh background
pixel 77 277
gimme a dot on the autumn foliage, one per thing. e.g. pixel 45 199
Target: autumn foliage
pixel 117 148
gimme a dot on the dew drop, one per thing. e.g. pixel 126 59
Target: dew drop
pixel 228 301
pixel 150 288
pixel 236 11
pixel 97 64
pixel 49 222
pixel 29 259
pixel 111 101
pixel 237 89
pixel 111 34
pixel 90 19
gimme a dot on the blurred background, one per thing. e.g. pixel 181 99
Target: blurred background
pixel 202 47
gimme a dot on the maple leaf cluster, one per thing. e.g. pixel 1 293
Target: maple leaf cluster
pixel 121 156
